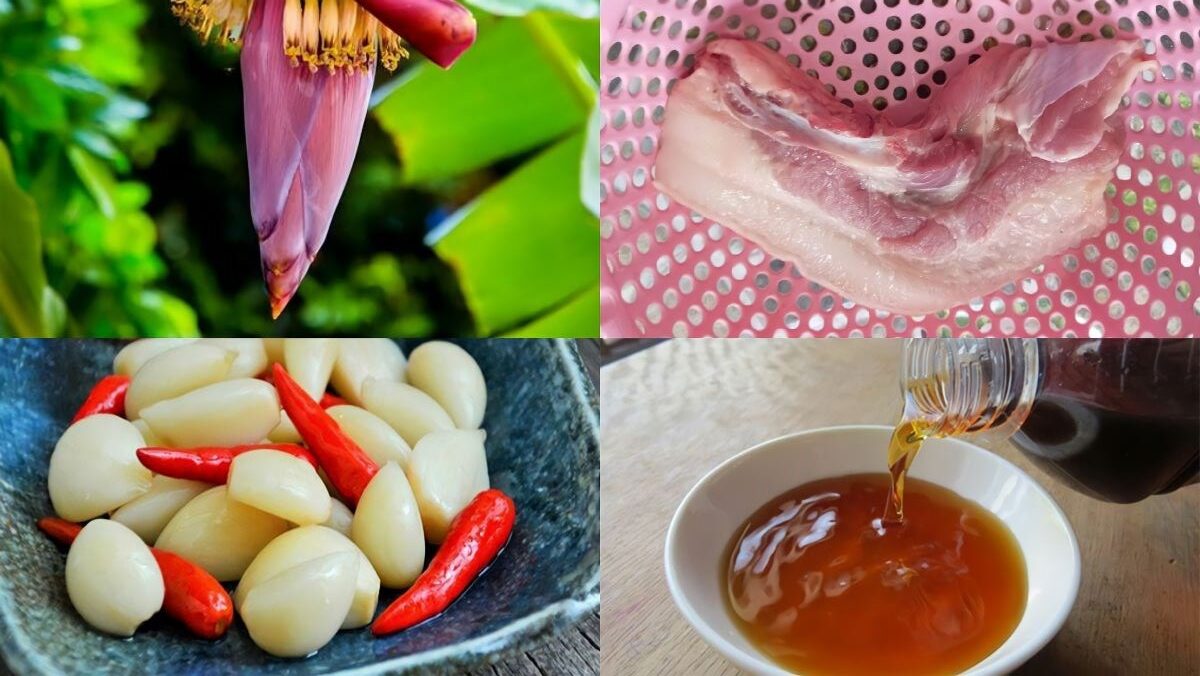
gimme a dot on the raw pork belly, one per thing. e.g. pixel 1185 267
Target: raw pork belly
pixel 1007 166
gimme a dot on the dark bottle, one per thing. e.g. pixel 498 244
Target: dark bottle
pixel 1118 419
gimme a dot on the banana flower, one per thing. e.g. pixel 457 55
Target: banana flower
pixel 307 72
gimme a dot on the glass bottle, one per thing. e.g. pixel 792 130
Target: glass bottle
pixel 1117 419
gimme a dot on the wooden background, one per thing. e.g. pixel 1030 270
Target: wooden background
pixel 674 411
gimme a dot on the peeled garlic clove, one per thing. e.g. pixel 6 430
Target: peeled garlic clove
pixel 360 359
pixel 387 527
pixel 305 544
pixel 451 376
pixel 274 347
pixel 340 517
pixel 299 610
pixel 309 361
pixel 251 357
pixel 112 578
pixel 148 515
pixel 446 470
pixel 176 372
pixel 220 535
pixel 408 410
pixel 372 434
pixel 281 484
pixel 231 412
pixel 132 356
pixel 148 434
pixel 94 468
pixel 285 432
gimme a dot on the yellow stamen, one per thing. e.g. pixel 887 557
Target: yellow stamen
pixel 347 46
pixel 391 52
pixel 366 34
pixel 291 30
pixel 311 34
pixel 329 32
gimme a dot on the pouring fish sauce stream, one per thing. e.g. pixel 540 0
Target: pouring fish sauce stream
pixel 880 573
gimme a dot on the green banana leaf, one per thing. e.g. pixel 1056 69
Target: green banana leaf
pixel 580 8
pixel 523 84
pixel 579 316
pixel 526 245
pixel 25 301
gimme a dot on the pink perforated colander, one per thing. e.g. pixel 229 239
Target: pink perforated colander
pixel 668 271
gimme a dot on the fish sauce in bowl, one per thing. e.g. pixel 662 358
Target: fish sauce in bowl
pixel 822 581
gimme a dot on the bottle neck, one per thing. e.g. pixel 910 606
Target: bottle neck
pixel 967 386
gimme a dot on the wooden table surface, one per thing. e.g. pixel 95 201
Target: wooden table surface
pixel 674 411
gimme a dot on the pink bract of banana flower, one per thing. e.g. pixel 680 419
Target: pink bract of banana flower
pixel 307 71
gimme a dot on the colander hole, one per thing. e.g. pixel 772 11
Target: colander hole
pixel 699 7
pixel 942 27
pixel 917 21
pixel 986 13
pixel 920 44
pixel 921 66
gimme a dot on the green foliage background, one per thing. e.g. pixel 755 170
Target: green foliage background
pixel 124 207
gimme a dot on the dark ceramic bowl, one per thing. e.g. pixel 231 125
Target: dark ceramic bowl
pixel 542 450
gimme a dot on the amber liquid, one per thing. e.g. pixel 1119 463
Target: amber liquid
pixel 819 583
pixel 906 441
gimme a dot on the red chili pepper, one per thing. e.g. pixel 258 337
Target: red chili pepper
pixel 476 536
pixel 329 399
pixel 193 597
pixel 349 469
pixel 107 396
pixel 207 463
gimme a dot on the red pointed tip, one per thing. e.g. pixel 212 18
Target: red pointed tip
pixel 281 286
pixel 277 306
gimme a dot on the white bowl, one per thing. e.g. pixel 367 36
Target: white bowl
pixel 718 505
